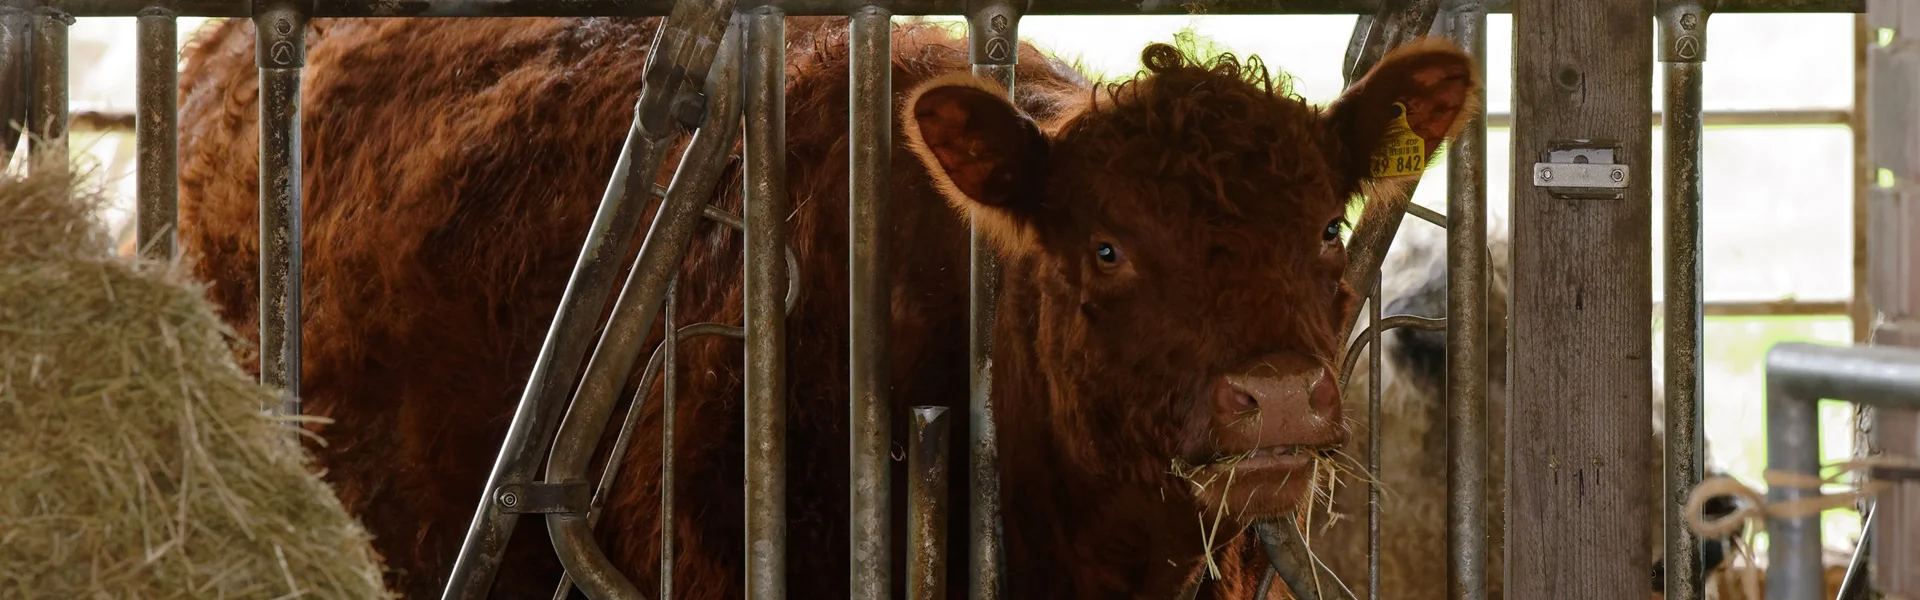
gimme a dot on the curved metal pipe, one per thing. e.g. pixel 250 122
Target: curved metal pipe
pixel 1386 325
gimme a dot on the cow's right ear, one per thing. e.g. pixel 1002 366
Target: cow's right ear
pixel 986 158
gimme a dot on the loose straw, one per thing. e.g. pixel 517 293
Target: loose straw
pixel 1755 510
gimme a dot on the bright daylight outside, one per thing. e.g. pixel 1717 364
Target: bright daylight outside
pixel 1779 198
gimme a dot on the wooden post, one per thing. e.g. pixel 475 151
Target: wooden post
pixel 1581 339
pixel 1893 268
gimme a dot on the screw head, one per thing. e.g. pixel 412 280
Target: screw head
pixel 1689 21
pixel 1546 173
pixel 1618 175
pixel 509 499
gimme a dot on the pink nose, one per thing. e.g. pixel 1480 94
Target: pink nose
pixel 1275 405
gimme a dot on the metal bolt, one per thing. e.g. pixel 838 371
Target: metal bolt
pixel 1618 175
pixel 508 499
pixel 1689 21
pixel 1546 173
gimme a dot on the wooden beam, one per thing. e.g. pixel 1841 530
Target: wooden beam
pixel 1893 275
pixel 1579 505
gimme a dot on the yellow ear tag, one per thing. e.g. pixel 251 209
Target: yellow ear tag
pixel 1401 151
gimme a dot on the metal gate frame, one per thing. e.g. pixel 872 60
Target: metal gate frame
pixel 711 58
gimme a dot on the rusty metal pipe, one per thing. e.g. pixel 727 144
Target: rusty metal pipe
pixel 280 54
pixel 16 72
pixel 993 35
pixel 928 453
pixel 870 126
pixel 47 74
pixel 1467 254
pixel 764 209
pixel 633 313
pixel 682 51
pixel 1682 37
pixel 156 134
pixel 1307 578
pixel 1374 332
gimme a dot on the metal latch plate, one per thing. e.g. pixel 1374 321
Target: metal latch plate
pixel 1582 169
pixel 544 498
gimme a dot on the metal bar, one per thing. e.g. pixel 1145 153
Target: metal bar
pixel 669 402
pixel 1777 308
pixel 611 473
pixel 870 125
pixel 1466 331
pixel 16 80
pixel 1682 38
pixel 815 8
pixel 1305 576
pixel 1854 585
pixel 1732 118
pixel 765 209
pixel 1394 23
pixel 993 34
pixel 681 50
pixel 1798 376
pixel 157 183
pixel 661 255
pixel 927 459
pixel 47 105
pixel 1387 324
pixel 1373 440
pixel 280 54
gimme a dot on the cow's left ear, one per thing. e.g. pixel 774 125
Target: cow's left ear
pixel 986 157
pixel 1388 125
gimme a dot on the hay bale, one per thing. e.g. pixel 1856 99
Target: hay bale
pixel 135 461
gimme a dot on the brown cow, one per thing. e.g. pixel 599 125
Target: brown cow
pixel 1172 295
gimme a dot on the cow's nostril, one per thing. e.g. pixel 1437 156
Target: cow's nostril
pixel 1230 399
pixel 1243 401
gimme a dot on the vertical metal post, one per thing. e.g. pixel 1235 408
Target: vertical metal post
pixel 1683 36
pixel 669 402
pixel 1374 354
pixel 870 126
pixel 280 52
pixel 993 35
pixel 764 215
pixel 16 39
pixel 1466 331
pixel 927 456
pixel 47 108
pixel 156 134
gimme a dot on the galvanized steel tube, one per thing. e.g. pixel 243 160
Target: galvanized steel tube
pixel 1287 554
pixel 1373 440
pixel 993 35
pixel 1466 331
pixel 870 126
pixel 1682 38
pixel 764 211
pixel 661 255
pixel 47 108
pixel 1799 375
pixel 1394 23
pixel 16 39
pixel 683 47
pixel 280 53
pixel 928 454
pixel 669 394
pixel 156 134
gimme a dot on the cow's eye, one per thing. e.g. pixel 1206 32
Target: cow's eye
pixel 1332 232
pixel 1107 253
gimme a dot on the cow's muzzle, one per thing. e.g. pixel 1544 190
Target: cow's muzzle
pixel 1280 409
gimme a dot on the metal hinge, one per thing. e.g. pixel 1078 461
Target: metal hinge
pixel 544 498
pixel 1582 169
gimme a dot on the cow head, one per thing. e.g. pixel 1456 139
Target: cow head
pixel 1179 240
